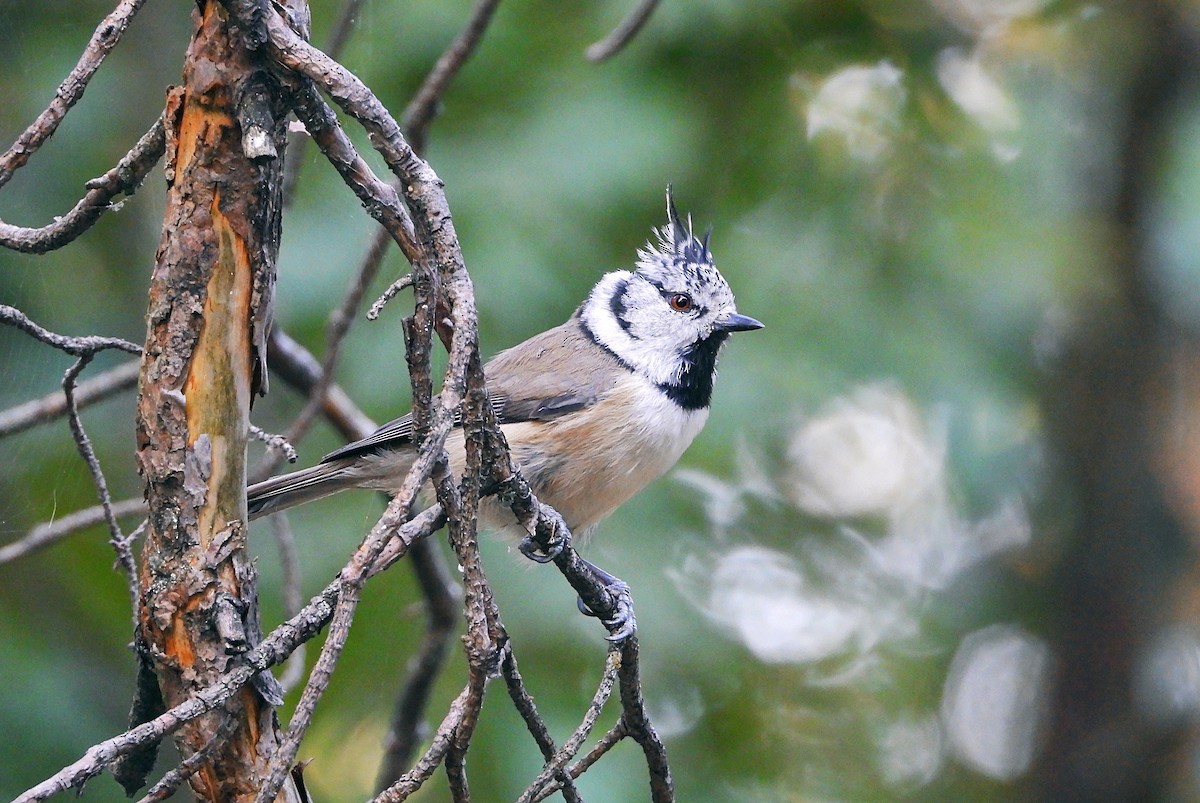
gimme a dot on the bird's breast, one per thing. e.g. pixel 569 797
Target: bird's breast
pixel 588 463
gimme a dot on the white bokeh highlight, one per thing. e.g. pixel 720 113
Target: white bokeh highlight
pixel 993 705
pixel 859 106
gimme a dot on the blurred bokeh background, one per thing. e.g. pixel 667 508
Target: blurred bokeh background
pixel 937 540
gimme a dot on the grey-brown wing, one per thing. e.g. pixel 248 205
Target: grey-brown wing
pixel 550 375
pixel 558 372
pixel 395 434
pixel 392 435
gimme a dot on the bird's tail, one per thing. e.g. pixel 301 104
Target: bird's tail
pixel 288 490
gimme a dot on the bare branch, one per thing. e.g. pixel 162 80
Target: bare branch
pixel 524 704
pixel 469 698
pixel 350 582
pixel 84 349
pixel 170 783
pixel 556 762
pixel 124 178
pixel 337 40
pixel 423 188
pixel 421 110
pixel 378 198
pixel 607 742
pixel 290 565
pixel 51 406
pixel 103 40
pixel 637 723
pixel 395 287
pixel 620 36
pixel 117 539
pixel 278 443
pixel 51 532
pixel 75 346
pixel 300 369
pixel 273 649
pixel 442 598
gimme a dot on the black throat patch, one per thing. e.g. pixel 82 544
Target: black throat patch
pixel 694 389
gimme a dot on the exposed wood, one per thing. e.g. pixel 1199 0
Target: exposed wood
pixel 208 311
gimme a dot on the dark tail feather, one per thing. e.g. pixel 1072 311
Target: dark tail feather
pixel 288 490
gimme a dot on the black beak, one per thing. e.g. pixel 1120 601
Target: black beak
pixel 734 322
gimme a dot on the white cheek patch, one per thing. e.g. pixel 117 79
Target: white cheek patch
pixel 647 356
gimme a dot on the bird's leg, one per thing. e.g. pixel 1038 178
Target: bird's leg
pixel 547 540
pixel 619 619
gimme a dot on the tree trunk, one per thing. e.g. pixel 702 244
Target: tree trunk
pixel 209 311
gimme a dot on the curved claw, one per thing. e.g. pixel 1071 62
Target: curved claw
pixel 620 623
pixel 554 542
pixel 533 550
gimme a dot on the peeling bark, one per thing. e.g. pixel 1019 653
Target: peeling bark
pixel 208 316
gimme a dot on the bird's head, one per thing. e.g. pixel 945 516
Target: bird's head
pixel 668 318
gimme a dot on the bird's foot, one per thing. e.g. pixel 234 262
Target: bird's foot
pixel 618 619
pixel 550 537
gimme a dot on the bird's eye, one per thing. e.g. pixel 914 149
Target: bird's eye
pixel 680 302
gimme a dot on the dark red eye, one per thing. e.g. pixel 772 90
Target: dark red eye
pixel 680 302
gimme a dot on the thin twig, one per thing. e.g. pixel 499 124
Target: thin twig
pixel 485 641
pixel 289 564
pixel 116 538
pixel 422 109
pixel 470 697
pixel 84 349
pixel 51 532
pixel 554 766
pixel 637 722
pixel 350 582
pixel 523 701
pixel 169 784
pixel 274 648
pixel 103 40
pixel 620 36
pixel 337 41
pixel 276 442
pixel 607 742
pixel 380 199
pixel 75 346
pixel 124 178
pixel 395 287
pixel 49 407
pixel 442 598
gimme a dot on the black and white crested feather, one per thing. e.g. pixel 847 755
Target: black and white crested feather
pixel 629 313
pixel 677 244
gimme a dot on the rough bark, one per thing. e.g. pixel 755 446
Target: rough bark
pixel 209 310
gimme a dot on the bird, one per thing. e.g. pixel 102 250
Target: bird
pixel 593 409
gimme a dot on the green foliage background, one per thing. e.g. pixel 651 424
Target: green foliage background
pixel 945 267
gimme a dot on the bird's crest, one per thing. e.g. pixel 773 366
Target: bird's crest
pixel 677 244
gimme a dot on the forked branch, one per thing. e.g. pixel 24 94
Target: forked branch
pixel 413 210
